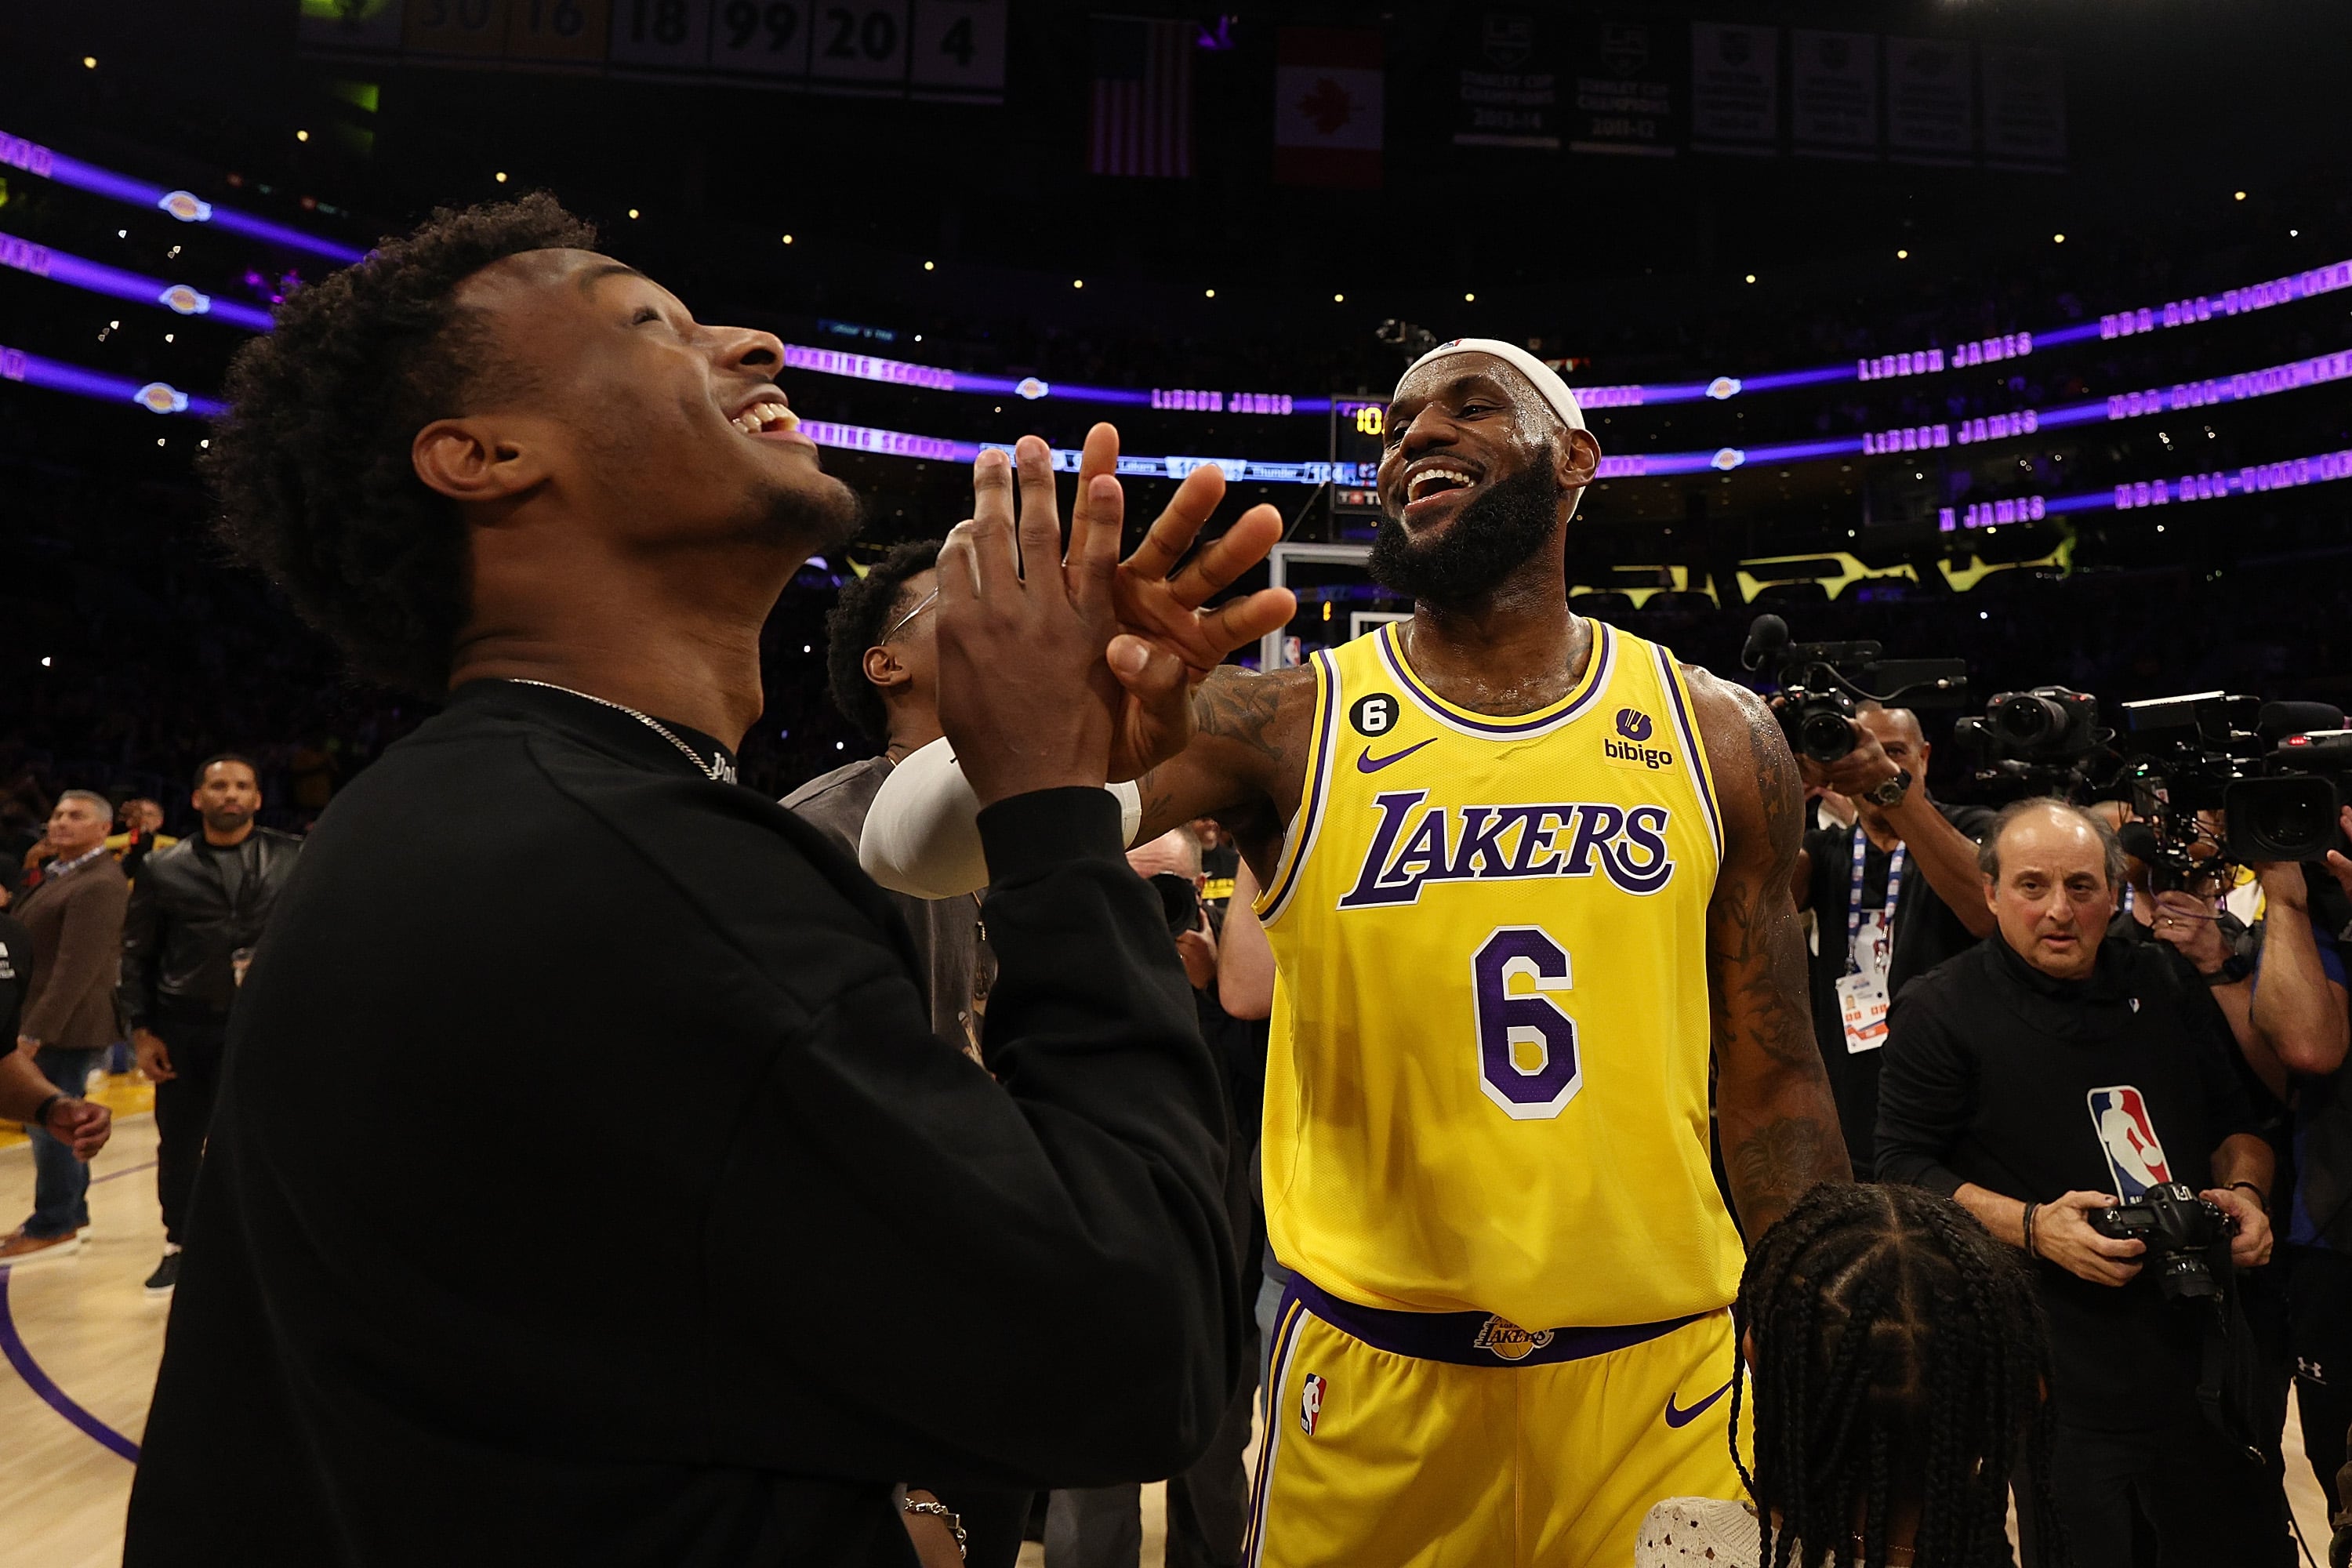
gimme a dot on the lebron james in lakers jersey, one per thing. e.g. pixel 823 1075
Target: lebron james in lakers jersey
pixel 1527 881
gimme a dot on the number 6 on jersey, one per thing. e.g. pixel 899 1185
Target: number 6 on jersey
pixel 1527 1046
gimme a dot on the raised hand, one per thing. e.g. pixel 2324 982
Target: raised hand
pixel 1025 697
pixel 1166 642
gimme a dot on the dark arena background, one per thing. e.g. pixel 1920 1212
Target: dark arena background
pixel 2017 332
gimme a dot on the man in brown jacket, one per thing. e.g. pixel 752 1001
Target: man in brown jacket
pixel 75 917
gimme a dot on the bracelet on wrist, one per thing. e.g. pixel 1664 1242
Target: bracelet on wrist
pixel 40 1118
pixel 2030 1210
pixel 944 1514
pixel 2261 1199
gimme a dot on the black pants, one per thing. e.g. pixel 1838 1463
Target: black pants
pixel 2319 1307
pixel 2169 1497
pixel 184 1110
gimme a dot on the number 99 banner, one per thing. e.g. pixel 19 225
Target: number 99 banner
pixel 944 49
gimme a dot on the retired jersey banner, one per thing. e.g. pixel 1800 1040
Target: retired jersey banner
pixel 1328 106
pixel 942 51
pixel 1734 89
pixel 2024 108
pixel 1833 93
pixel 1509 80
pixel 1930 101
pixel 1628 88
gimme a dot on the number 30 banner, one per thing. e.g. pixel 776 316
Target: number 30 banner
pixel 943 49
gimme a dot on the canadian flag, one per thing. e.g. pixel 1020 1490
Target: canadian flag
pixel 1327 107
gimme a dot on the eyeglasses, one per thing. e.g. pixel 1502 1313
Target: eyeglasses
pixel 896 626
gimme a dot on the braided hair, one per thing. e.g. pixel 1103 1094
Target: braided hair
pixel 1899 1358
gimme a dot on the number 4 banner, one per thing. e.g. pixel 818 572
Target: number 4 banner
pixel 958 49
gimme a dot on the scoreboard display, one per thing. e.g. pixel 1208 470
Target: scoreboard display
pixel 1358 436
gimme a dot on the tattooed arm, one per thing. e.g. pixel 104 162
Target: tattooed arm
pixel 1245 763
pixel 1773 1111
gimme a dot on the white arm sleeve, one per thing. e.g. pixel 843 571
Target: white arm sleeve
pixel 922 832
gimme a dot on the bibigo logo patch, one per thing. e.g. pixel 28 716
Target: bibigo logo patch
pixel 1508 1340
pixel 1629 747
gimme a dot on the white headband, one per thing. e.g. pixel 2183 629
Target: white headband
pixel 1542 377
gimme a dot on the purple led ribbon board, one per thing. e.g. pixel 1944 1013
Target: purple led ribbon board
pixel 35 159
pixel 1931 361
pixel 155 397
pixel 2323 467
pixel 97 278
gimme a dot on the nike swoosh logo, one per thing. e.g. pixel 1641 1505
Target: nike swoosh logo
pixel 1679 1418
pixel 1369 763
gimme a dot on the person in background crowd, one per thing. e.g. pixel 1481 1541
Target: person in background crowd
pixel 75 918
pixel 2048 1074
pixel 1102 1527
pixel 1220 859
pixel 882 670
pixel 141 822
pixel 1892 888
pixel 1898 1359
pixel 2299 1017
pixel 194 920
pixel 882 673
pixel 25 1096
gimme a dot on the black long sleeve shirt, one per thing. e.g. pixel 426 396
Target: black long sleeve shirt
pixel 1999 1075
pixel 587 1186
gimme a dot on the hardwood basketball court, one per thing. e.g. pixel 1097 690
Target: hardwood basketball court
pixel 82 1340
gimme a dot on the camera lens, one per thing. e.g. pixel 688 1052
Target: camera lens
pixel 2025 720
pixel 1825 736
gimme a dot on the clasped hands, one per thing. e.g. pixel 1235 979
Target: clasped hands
pixel 1061 664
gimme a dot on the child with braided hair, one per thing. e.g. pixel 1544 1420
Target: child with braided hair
pixel 1900 1362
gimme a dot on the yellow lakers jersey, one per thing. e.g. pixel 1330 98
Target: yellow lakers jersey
pixel 1487 1084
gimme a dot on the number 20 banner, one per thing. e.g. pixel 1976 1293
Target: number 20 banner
pixel 945 49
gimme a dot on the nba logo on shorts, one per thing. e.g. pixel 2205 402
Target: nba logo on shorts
pixel 2135 1154
pixel 1310 1404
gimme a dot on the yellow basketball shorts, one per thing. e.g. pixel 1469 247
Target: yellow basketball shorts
pixel 1459 1440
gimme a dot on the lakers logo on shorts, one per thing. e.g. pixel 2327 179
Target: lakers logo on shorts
pixel 1310 1404
pixel 1508 1340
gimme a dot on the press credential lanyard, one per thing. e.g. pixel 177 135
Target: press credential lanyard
pixel 1853 899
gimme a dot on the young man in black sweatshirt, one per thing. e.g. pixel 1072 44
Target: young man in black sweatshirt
pixel 2046 1074
pixel 763 1247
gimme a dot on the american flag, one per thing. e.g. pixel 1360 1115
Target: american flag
pixel 1142 120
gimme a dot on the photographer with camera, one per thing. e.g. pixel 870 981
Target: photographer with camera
pixel 2299 1023
pixel 1892 895
pixel 2075 1095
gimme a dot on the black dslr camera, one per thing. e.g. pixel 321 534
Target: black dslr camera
pixel 1821 681
pixel 2179 1229
pixel 2033 743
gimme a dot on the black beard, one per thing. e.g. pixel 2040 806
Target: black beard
pixel 1491 539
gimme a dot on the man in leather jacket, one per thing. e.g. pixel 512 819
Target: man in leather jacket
pixel 195 913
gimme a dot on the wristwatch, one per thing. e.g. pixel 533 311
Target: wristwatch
pixel 1889 792
pixel 2234 968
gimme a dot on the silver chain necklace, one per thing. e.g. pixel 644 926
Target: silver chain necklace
pixel 717 768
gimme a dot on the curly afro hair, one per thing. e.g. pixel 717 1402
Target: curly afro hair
pixel 856 623
pixel 311 464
